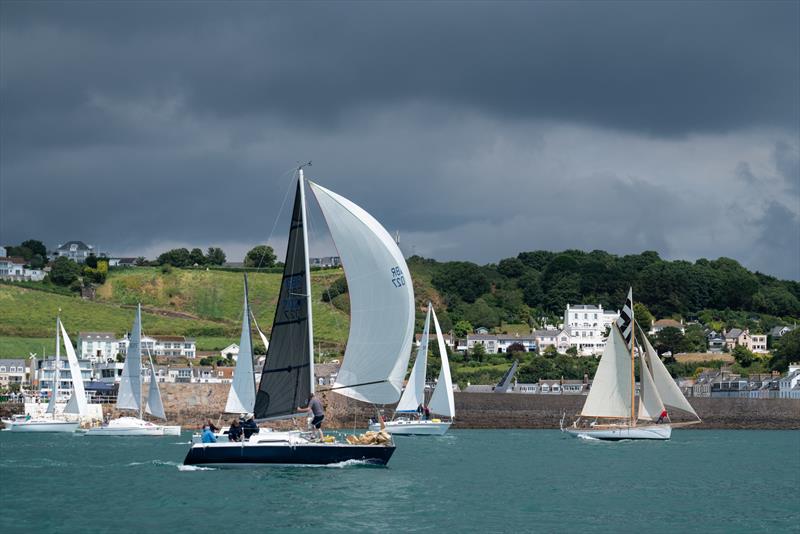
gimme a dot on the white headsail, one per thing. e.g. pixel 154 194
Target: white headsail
pixel 381 302
pixel 130 385
pixel 650 405
pixel 242 395
pixel 442 401
pixel 154 405
pixel 51 406
pixel 668 390
pixel 414 394
pixel 78 405
pixel 610 394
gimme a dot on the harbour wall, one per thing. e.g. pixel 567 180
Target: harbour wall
pixel 190 405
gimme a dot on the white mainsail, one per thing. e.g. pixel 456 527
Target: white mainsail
pixel 77 403
pixel 51 406
pixel 130 385
pixel 650 405
pixel 154 405
pixel 610 394
pixel 668 390
pixel 414 394
pixel 442 401
pixel 242 395
pixel 381 302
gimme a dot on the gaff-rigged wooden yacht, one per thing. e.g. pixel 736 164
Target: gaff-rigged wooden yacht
pixel 378 346
pixel 609 412
pixel 407 420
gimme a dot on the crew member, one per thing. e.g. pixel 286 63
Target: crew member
pixel 315 407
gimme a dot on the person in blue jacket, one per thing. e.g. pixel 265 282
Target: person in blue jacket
pixel 208 435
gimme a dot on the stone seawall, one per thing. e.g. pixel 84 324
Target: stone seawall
pixel 191 405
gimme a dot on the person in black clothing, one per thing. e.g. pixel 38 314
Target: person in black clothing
pixel 212 426
pixel 235 431
pixel 315 407
pixel 249 428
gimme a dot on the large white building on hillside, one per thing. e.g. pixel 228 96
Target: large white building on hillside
pixel 586 325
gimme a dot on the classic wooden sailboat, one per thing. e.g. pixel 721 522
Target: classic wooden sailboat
pixel 407 420
pixel 129 396
pixel 378 346
pixel 52 421
pixel 609 412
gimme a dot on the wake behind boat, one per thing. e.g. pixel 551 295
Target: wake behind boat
pixel 378 347
pixel 609 412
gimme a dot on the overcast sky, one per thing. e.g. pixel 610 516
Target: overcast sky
pixel 476 130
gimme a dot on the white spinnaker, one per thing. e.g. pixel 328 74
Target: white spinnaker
pixel 130 384
pixel 381 302
pixel 650 405
pixel 442 401
pixel 610 394
pixel 414 394
pixel 242 395
pixel 80 405
pixel 668 390
pixel 154 405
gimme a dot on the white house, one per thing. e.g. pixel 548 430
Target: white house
pixel 76 251
pixel 326 261
pixel 586 325
pixel 661 324
pixel 107 372
pixel 169 346
pixel 789 385
pixel 560 339
pixel 45 374
pixel 231 351
pixel 13 372
pixel 449 340
pixel 14 269
pixel 98 346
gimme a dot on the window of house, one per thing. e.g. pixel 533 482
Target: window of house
pixel 2 368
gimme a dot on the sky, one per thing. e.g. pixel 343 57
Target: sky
pixel 475 130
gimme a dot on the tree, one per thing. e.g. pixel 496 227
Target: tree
pixel 787 350
pixel 177 257
pixel 516 347
pixel 511 267
pixel 643 316
pixel 669 339
pixel 36 247
pixel 461 279
pixel 462 328
pixel 550 351
pixel 478 352
pixel 91 261
pixel 215 256
pixel 196 257
pixel 572 351
pixel 743 356
pixel 337 287
pixel 64 271
pixel 36 261
pixel 260 256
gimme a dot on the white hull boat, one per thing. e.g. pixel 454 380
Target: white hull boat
pixel 617 433
pixel 172 430
pixel 128 426
pixel 400 427
pixel 19 424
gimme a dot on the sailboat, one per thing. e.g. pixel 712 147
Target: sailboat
pixel 129 396
pixel 378 347
pixel 77 405
pixel 609 412
pixel 405 422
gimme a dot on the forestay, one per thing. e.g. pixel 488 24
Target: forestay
pixel 610 394
pixel 78 405
pixel 381 302
pixel 242 395
pixel 442 401
pixel 287 376
pixel 414 394
pixel 130 385
pixel 668 390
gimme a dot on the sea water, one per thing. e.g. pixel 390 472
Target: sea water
pixel 467 480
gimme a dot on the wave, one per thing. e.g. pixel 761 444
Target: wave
pixel 182 467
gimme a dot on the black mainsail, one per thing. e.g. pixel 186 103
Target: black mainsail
pixel 286 379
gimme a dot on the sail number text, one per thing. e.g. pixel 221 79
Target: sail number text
pixel 397 277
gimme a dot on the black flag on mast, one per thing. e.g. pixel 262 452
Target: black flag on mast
pixel 625 321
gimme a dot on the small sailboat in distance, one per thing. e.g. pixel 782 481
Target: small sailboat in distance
pixel 407 419
pixel 378 346
pixel 609 412
pixel 129 396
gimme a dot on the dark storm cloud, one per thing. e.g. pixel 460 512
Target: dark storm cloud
pixel 477 129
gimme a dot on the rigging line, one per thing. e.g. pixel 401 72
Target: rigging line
pixel 355 385
pixel 278 215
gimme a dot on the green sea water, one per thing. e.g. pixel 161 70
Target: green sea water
pixel 467 481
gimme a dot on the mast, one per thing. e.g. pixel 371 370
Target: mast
pixel 307 269
pixel 56 376
pixel 139 370
pixel 633 372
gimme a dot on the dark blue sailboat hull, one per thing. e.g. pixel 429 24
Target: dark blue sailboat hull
pixel 238 455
